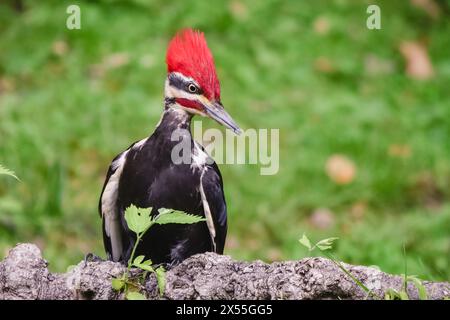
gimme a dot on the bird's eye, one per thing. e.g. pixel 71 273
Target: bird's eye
pixel 192 88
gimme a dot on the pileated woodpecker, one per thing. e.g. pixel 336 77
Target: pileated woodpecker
pixel 146 176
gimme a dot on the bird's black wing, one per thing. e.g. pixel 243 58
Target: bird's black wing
pixel 213 191
pixel 110 211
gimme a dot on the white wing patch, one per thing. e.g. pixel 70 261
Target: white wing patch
pixel 207 211
pixel 199 161
pixel 110 212
pixel 109 208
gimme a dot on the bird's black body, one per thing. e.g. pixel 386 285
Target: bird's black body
pixel 146 176
pixel 169 169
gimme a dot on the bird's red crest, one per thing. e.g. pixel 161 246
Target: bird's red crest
pixel 188 54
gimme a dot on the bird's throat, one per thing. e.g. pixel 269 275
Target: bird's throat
pixel 174 117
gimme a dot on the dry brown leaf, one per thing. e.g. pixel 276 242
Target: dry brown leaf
pixel 7 84
pixel 147 61
pixel 340 169
pixel 6 251
pixel 232 242
pixel 60 47
pixel 346 228
pixel 373 65
pixel 97 70
pixel 418 64
pixel 322 218
pixel 238 9
pixel 116 60
pixel 252 244
pixel 323 64
pixel 321 25
pixel 429 6
pixel 111 61
pixel 426 190
pixel 358 210
pixel 399 150
pixel 274 254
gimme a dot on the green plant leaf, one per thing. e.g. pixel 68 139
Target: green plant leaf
pixel 138 260
pixel 420 287
pixel 70 268
pixel 138 219
pixel 391 294
pixel 161 279
pixel 374 266
pixel 403 295
pixel 117 284
pixel 164 211
pixel 305 242
pixel 325 244
pixel 147 262
pixel 145 267
pixel 167 216
pixel 133 295
pixel 7 172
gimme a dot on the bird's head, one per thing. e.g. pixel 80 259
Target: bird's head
pixel 192 82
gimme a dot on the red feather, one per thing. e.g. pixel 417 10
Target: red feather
pixel 188 54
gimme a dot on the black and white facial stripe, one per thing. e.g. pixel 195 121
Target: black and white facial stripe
pixel 186 84
pixel 179 87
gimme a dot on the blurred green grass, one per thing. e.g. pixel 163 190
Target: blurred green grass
pixel 71 100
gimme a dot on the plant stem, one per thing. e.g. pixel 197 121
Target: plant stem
pixel 138 239
pixel 405 281
pixel 340 266
pixel 130 261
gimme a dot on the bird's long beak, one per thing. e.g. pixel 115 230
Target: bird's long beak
pixel 216 111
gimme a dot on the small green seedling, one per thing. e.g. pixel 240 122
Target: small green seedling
pixel 140 221
pixel 390 294
pixel 327 244
pixel 7 172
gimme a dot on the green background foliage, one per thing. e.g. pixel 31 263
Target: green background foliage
pixel 70 100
